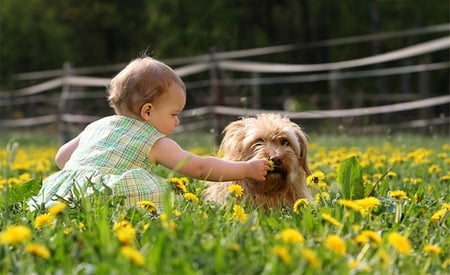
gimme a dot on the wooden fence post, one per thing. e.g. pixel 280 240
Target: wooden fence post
pixel 256 92
pixel 216 95
pixel 62 125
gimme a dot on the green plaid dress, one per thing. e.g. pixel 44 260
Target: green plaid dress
pixel 112 155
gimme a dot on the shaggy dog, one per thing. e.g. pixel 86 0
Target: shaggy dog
pixel 266 136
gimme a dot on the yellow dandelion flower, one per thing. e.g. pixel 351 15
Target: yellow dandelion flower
pixel 43 220
pixel 351 204
pixel 148 205
pixel 291 235
pixel 446 206
pixel 434 169
pixel 179 183
pixel 336 244
pixel 368 236
pixel 432 249
pixel 57 208
pixel 191 197
pixel 236 190
pixel 444 178
pixel 81 226
pixel 239 213
pixel 366 205
pixel 437 216
pixel 15 234
pixel 315 178
pixel 126 235
pixel 176 213
pixel 133 255
pixel 121 224
pixel 282 253
pixel 67 231
pixel 398 194
pixel 400 243
pixel 38 250
pixel 311 258
pixel 299 204
pixel 331 220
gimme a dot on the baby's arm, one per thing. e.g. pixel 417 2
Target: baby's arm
pixel 169 154
pixel 65 151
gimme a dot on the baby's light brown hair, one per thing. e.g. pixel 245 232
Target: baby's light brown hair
pixel 142 81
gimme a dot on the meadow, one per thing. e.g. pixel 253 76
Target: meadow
pixel 381 207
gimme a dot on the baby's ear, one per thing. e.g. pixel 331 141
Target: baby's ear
pixel 146 111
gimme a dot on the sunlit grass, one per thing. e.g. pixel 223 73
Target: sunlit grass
pixel 401 228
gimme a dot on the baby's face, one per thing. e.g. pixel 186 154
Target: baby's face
pixel 165 111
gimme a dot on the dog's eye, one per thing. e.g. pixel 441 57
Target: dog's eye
pixel 258 142
pixel 284 142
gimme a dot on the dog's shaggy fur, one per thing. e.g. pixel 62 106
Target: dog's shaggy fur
pixel 266 136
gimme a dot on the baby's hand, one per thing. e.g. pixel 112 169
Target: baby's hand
pixel 258 169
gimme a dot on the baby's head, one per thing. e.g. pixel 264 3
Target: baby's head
pixel 142 81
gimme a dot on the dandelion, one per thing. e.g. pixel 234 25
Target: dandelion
pixel 81 226
pixel 291 235
pixel 432 249
pixel 148 205
pixel 133 255
pixel 311 258
pixel 391 174
pixel 434 169
pixel 38 250
pixel 315 178
pixel 444 178
pixel 299 204
pixel 57 208
pixel 437 216
pixel 121 224
pixel 15 234
pixel 331 220
pixel 368 236
pixel 282 253
pixel 239 213
pixel 176 213
pixel 236 190
pixel 43 220
pixel 191 197
pixel 336 244
pixel 126 235
pixel 180 183
pixel 398 195
pixel 400 243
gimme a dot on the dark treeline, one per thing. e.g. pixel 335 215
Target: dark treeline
pixel 43 34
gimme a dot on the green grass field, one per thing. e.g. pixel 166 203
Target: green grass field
pixel 381 207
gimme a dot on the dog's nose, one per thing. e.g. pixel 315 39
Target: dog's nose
pixel 276 160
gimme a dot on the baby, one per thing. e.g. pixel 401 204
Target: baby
pixel 118 152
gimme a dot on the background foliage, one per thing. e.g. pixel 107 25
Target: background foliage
pixel 43 34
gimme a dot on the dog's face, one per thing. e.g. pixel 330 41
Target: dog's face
pixel 268 136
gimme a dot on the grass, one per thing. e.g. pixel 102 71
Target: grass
pixel 402 228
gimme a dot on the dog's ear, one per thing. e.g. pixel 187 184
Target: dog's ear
pixel 233 135
pixel 303 140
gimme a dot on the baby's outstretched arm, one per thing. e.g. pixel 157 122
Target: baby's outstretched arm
pixel 169 154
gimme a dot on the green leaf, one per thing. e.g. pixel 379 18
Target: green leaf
pixel 20 192
pixel 349 177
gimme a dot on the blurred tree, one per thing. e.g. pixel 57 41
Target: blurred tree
pixel 30 38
